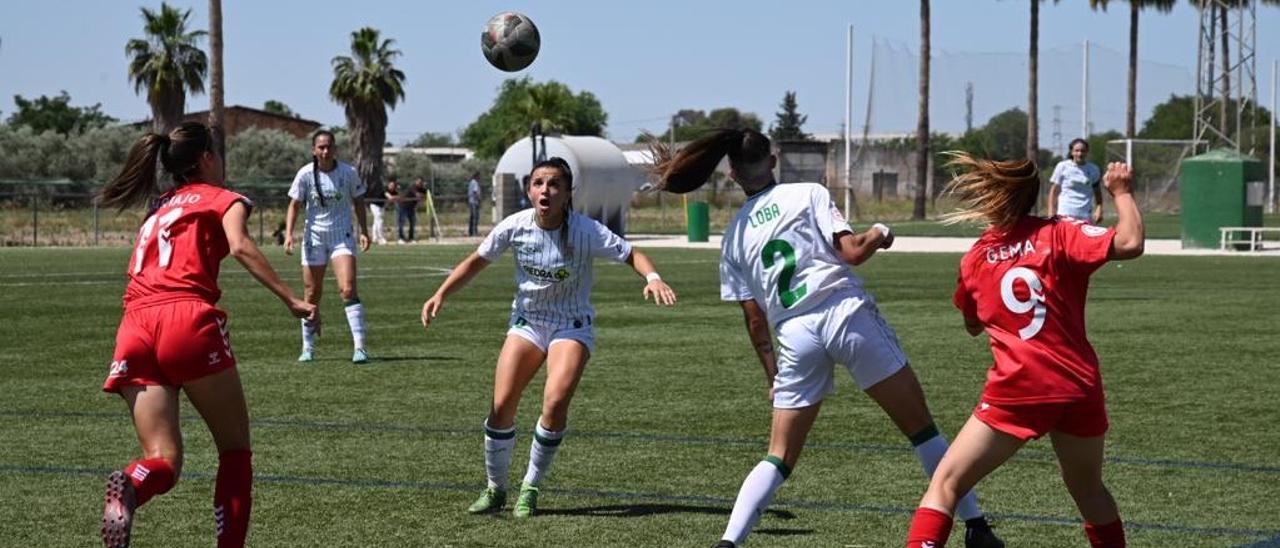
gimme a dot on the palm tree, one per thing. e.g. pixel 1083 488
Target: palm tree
pixel 167 64
pixel 216 88
pixel 1033 83
pixel 922 126
pixel 366 84
pixel 1131 99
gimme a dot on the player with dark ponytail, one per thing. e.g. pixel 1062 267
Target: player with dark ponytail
pixel 172 338
pixel 785 260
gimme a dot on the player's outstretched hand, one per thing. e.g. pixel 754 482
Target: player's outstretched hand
pixel 307 311
pixel 1119 178
pixel 365 242
pixel 661 292
pixel 430 309
pixel 288 244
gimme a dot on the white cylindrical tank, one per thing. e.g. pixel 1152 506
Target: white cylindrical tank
pixel 603 181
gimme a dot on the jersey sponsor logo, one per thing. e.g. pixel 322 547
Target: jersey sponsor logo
pixel 1093 231
pixel 1015 250
pixel 558 275
pixel 215 358
pixel 119 368
pixel 763 215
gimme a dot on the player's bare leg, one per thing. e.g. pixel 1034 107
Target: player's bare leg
pixel 902 398
pixel 787 435
pixel 313 289
pixel 978 449
pixel 566 360
pixel 518 362
pixel 155 419
pixel 1081 462
pixel 219 398
pixel 344 270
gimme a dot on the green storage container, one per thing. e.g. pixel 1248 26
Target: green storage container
pixel 1219 188
pixel 698 219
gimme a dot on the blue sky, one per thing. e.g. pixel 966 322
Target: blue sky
pixel 643 60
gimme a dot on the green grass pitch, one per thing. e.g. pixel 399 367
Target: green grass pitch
pixel 669 418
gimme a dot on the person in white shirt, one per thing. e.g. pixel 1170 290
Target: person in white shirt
pixel 376 208
pixel 785 260
pixel 1076 191
pixel 473 205
pixel 551 321
pixel 330 191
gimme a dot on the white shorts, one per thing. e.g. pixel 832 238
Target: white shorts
pixel 845 328
pixel 318 247
pixel 543 336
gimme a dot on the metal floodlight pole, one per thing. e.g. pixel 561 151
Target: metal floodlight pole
pixel 1084 95
pixel 1271 195
pixel 848 123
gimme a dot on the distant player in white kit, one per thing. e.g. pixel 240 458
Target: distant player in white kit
pixel 330 191
pixel 551 321
pixel 785 259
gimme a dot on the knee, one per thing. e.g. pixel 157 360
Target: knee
pixel 556 407
pixel 348 293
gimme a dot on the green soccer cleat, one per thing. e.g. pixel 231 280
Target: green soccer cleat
pixel 305 357
pixel 491 500
pixel 360 356
pixel 527 504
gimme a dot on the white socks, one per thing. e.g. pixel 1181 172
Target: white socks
pixel 497 454
pixel 308 337
pixel 355 319
pixel 930 449
pixel 756 494
pixel 541 453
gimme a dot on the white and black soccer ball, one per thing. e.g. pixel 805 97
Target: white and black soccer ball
pixel 510 41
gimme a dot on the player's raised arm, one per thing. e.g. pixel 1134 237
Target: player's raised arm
pixel 241 247
pixel 458 278
pixel 855 249
pixel 1130 235
pixel 654 286
pixel 757 323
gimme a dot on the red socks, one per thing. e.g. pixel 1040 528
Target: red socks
pixel 929 529
pixel 233 498
pixel 150 477
pixel 1110 535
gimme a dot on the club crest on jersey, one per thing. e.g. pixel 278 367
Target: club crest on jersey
pixel 1015 250
pixel 119 368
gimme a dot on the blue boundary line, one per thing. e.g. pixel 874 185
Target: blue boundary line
pixel 1024 454
pixel 666 498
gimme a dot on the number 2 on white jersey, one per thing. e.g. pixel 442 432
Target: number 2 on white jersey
pixel 1033 304
pixel 144 238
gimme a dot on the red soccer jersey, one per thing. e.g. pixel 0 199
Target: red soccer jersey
pixel 1027 286
pixel 180 246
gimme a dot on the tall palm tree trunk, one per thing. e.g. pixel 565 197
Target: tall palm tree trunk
pixel 1033 94
pixel 167 107
pixel 922 127
pixel 215 76
pixel 1131 98
pixel 368 125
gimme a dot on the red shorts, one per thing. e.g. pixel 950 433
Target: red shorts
pixel 169 344
pixel 1028 421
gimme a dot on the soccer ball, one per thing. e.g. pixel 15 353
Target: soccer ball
pixel 510 41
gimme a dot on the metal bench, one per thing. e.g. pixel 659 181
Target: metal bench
pixel 1251 236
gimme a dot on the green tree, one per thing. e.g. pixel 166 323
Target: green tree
pixel 521 102
pixel 433 139
pixel 365 84
pixel 691 124
pixel 258 154
pixel 1131 101
pixel 217 103
pixel 277 107
pixel 167 64
pixel 788 123
pixel 56 114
